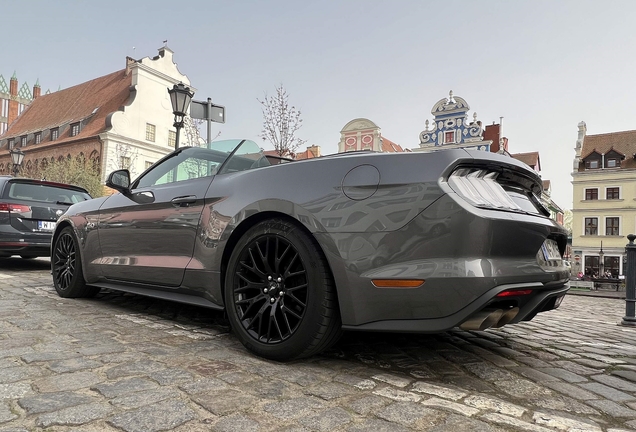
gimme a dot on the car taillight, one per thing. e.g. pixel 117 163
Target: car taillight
pixel 17 208
pixel 480 188
pixel 511 293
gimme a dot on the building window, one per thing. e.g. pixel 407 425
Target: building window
pixel 593 164
pixel 124 162
pixel 591 194
pixel 592 266
pixel 611 266
pixel 148 164
pixel 612 163
pixel 38 137
pixel 150 132
pixel 612 193
pixel 611 226
pixel 55 133
pixel 23 141
pixel 449 137
pixel 172 138
pixel 75 128
pixel 591 226
pixel 11 143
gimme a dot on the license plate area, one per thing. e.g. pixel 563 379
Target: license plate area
pixel 550 250
pixel 46 225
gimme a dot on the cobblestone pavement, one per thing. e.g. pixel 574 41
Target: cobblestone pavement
pixel 127 363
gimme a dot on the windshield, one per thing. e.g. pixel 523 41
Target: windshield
pixel 222 157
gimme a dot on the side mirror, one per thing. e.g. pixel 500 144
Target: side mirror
pixel 119 180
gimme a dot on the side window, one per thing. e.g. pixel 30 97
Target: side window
pixel 186 165
pixel 190 168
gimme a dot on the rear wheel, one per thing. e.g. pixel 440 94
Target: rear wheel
pixel 68 278
pixel 279 293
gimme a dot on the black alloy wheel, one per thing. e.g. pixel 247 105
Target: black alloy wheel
pixel 66 266
pixel 280 294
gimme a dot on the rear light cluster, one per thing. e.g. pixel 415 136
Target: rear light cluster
pixel 480 188
pixel 17 208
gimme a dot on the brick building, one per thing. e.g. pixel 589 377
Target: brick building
pixel 120 120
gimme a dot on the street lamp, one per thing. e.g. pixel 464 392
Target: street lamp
pixel 17 156
pixel 600 261
pixel 180 96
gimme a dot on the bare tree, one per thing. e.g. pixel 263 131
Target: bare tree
pixel 281 122
pixel 124 157
pixel 190 134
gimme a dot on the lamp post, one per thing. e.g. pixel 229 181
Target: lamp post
pixel 17 156
pixel 180 97
pixel 601 254
pixel 630 283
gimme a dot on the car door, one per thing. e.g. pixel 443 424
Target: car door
pixel 148 234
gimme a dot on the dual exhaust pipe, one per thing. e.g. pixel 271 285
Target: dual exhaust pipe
pixel 487 318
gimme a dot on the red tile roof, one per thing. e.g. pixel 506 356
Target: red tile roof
pixel 91 102
pixel 531 159
pixel 391 147
pixel 622 142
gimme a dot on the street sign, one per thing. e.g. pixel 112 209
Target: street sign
pixel 199 110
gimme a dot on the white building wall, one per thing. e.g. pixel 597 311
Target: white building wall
pixel 149 104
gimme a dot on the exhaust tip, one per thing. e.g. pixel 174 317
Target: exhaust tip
pixel 506 317
pixel 482 320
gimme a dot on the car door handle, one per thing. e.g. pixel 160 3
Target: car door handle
pixel 184 200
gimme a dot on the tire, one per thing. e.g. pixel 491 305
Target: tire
pixel 66 265
pixel 280 295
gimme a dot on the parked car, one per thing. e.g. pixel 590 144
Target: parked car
pixel 29 209
pixel 297 252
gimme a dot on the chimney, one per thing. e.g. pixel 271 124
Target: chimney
pixel 13 102
pixel 129 62
pixel 36 89
pixel 315 150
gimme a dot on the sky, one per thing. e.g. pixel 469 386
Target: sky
pixel 543 65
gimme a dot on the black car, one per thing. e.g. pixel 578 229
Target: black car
pixel 29 210
pixel 296 252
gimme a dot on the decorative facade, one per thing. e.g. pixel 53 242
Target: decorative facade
pixel 363 134
pixel 120 120
pixel 604 201
pixel 451 129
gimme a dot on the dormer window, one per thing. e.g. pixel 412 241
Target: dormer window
pixel 55 133
pixel 449 137
pixel 37 138
pixel 11 143
pixel 75 129
pixel 23 141
pixel 592 164
pixel 612 163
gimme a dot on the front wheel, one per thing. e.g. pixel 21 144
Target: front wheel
pixel 66 265
pixel 279 293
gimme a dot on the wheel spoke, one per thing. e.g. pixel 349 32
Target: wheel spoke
pixel 261 286
pixel 64 260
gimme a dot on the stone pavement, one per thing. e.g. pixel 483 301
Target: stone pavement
pixel 127 363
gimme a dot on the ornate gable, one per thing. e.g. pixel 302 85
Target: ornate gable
pixel 451 127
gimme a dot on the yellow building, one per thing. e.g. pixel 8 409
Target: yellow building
pixel 604 201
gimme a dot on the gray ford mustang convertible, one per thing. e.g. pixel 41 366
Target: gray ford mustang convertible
pixel 296 252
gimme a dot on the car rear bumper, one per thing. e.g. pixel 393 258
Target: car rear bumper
pixel 543 299
pixel 13 242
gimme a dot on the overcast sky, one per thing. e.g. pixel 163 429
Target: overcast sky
pixel 543 66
